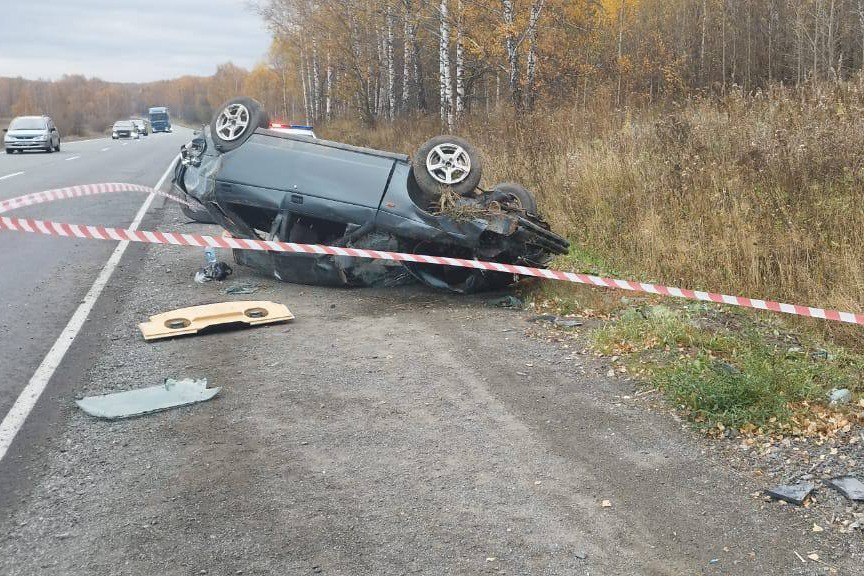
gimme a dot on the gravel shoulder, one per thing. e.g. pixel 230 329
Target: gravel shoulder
pixel 391 431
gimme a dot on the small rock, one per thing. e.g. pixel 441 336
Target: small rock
pixel 567 322
pixel 581 554
pixel 817 528
pixel 850 487
pixel 794 494
pixel 840 397
pixel 606 504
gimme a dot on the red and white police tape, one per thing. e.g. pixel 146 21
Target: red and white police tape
pixel 152 237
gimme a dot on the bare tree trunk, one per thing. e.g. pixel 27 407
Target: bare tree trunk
pixel 391 66
pixel 407 53
pixel 445 79
pixel 304 81
pixel 531 67
pixel 460 63
pixel 702 45
pixel 328 111
pixel 512 47
pixel 620 53
pixel 723 49
pixel 316 82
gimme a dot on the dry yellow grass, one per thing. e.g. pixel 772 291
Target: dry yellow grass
pixel 758 196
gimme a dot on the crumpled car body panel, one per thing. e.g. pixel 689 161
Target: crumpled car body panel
pixel 291 188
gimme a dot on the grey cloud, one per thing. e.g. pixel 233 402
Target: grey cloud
pixel 128 40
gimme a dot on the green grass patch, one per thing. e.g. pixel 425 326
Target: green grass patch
pixel 731 378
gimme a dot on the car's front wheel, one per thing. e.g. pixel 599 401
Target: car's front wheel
pixel 235 121
pixel 9 151
pixel 447 163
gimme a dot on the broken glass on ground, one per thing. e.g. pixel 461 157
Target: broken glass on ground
pixel 170 394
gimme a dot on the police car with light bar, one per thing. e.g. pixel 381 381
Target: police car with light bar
pixel 295 129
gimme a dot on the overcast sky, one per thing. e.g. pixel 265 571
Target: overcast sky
pixel 127 40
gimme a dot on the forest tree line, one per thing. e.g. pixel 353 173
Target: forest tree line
pixel 382 58
pixel 82 105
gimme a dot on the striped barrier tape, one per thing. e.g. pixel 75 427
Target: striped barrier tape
pixel 152 237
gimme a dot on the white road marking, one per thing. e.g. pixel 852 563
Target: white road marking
pixel 105 149
pixel 11 175
pixel 25 402
pixel 72 158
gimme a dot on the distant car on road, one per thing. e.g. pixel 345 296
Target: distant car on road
pixel 141 125
pixel 124 129
pixel 31 133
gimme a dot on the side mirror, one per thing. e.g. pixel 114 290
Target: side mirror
pixel 5 130
pixel 53 129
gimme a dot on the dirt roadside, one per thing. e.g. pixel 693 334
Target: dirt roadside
pixel 397 431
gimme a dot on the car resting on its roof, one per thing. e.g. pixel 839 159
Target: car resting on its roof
pixel 262 184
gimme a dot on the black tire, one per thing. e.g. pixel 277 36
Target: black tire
pixel 50 148
pixel 235 121
pixel 57 148
pixel 514 195
pixel 9 151
pixel 461 181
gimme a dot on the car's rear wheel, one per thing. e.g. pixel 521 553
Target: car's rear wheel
pixel 447 163
pixel 510 194
pixel 235 121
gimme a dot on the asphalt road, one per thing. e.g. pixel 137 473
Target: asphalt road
pixel 44 279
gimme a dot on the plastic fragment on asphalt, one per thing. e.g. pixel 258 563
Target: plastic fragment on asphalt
pixel 794 494
pixel 850 487
pixel 170 394
pixel 191 320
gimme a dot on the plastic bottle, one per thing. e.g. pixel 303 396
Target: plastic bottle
pixel 210 255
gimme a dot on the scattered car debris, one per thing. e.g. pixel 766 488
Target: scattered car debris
pixel 840 397
pixel 170 394
pixel 794 494
pixel 850 487
pixel 214 271
pixel 560 321
pixel 505 302
pixel 196 318
pixel 244 289
pixel 263 184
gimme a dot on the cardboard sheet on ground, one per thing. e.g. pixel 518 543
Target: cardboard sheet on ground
pixel 191 320
pixel 131 403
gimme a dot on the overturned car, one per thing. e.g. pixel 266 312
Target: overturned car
pixel 265 184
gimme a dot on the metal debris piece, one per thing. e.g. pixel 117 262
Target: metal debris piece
pixel 505 302
pixel 850 487
pixel 214 271
pixel 131 403
pixel 191 320
pixel 243 288
pixel 567 322
pixel 794 494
